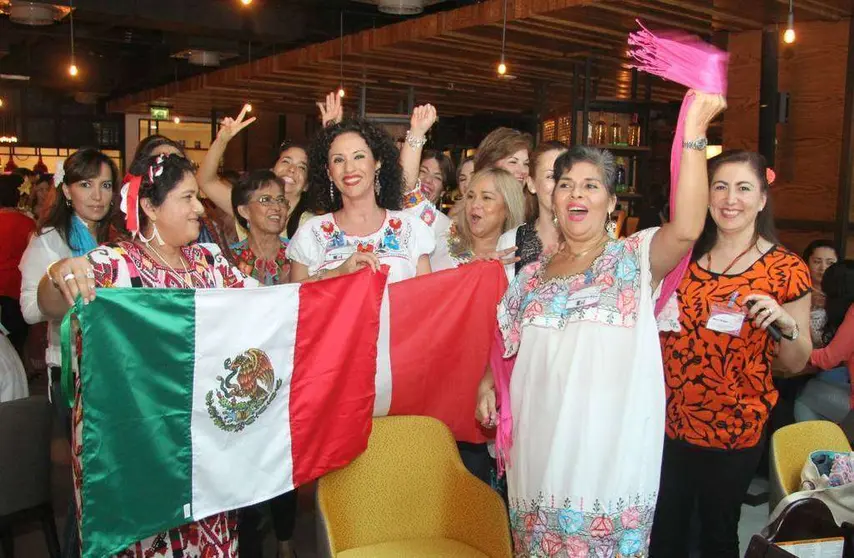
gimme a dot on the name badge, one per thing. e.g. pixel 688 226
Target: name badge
pixel 725 319
pixel 585 298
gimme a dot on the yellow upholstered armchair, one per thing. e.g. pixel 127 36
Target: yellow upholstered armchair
pixel 790 448
pixel 409 495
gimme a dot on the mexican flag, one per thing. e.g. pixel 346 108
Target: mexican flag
pixel 200 401
pixel 196 402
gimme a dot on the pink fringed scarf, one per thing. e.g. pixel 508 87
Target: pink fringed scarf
pixel 688 61
pixel 501 369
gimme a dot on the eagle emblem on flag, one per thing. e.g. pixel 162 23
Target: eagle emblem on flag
pixel 245 392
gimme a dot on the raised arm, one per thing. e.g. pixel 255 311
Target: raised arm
pixel 422 120
pixel 214 187
pixel 676 238
pixel 331 112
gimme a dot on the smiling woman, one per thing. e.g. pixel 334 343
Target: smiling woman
pixel 356 183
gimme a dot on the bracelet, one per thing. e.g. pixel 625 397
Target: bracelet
pixel 47 272
pixel 413 142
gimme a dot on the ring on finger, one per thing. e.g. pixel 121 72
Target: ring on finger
pixel 90 274
pixel 68 277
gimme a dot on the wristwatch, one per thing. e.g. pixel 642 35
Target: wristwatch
pixel 698 144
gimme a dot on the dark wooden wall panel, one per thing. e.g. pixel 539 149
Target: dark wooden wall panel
pixel 813 71
pixel 741 120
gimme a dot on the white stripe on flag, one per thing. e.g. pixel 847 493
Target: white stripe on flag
pixel 233 468
pixel 382 403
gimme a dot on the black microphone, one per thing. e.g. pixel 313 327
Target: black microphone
pixel 772 329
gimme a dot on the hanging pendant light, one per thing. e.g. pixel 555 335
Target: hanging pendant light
pixel 72 69
pixel 341 92
pixel 40 167
pixel 789 33
pixel 11 166
pixel 502 65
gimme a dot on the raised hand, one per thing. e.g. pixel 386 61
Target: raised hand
pixel 230 127
pixel 331 112
pixel 422 120
pixel 705 108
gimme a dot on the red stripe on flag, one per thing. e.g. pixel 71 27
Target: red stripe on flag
pixel 442 328
pixel 332 389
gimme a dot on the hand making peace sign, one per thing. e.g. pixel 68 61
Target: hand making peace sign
pixel 230 127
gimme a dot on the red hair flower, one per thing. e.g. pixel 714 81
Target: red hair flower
pixel 770 176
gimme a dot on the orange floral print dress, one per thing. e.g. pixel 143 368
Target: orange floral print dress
pixel 719 387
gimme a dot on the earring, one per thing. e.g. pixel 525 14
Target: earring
pixel 377 183
pixel 157 236
pixel 331 190
pixel 146 240
pixel 611 227
pixel 68 203
pixel 554 221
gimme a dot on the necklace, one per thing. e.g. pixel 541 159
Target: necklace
pixel 735 260
pixel 172 269
pixel 573 256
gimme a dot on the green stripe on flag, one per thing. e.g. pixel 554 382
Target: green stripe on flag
pixel 141 372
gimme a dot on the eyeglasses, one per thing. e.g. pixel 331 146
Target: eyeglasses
pixel 270 201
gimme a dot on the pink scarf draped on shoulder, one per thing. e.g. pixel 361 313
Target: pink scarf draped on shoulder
pixel 677 57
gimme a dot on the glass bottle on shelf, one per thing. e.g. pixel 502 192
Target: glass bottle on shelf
pixel 621 175
pixel 600 131
pixel 634 132
pixel 616 132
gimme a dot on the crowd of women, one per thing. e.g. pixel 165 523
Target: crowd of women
pixel 614 422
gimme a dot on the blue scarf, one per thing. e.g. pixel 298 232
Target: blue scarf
pixel 79 238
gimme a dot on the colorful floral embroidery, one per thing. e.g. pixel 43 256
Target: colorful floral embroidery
pixel 455 249
pixel 391 240
pixel 608 292
pixel 428 215
pixel 414 197
pixel 621 530
pixel 268 272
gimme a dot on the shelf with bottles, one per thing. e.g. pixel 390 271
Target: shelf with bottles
pixel 615 131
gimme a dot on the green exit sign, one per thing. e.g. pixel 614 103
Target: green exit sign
pixel 159 113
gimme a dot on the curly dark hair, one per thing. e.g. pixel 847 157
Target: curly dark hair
pixel 382 148
pixel 838 286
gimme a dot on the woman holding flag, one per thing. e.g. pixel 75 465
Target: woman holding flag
pixel 586 396
pixel 162 208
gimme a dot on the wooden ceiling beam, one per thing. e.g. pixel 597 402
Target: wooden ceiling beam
pixel 650 17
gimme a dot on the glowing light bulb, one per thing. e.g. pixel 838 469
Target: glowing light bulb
pixel 245 2
pixel 502 69
pixel 789 36
pixel 176 120
pixel 1 102
pixel 341 92
pixel 248 107
pixel 72 70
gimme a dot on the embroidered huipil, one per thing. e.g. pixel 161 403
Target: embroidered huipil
pixel 448 254
pixel 125 264
pixel 267 272
pixel 399 242
pixel 587 396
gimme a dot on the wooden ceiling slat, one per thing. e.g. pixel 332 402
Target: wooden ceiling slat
pixel 450 57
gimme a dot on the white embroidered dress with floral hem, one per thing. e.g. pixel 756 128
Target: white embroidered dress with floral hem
pixel 588 403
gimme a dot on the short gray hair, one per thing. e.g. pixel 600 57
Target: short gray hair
pixel 602 159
